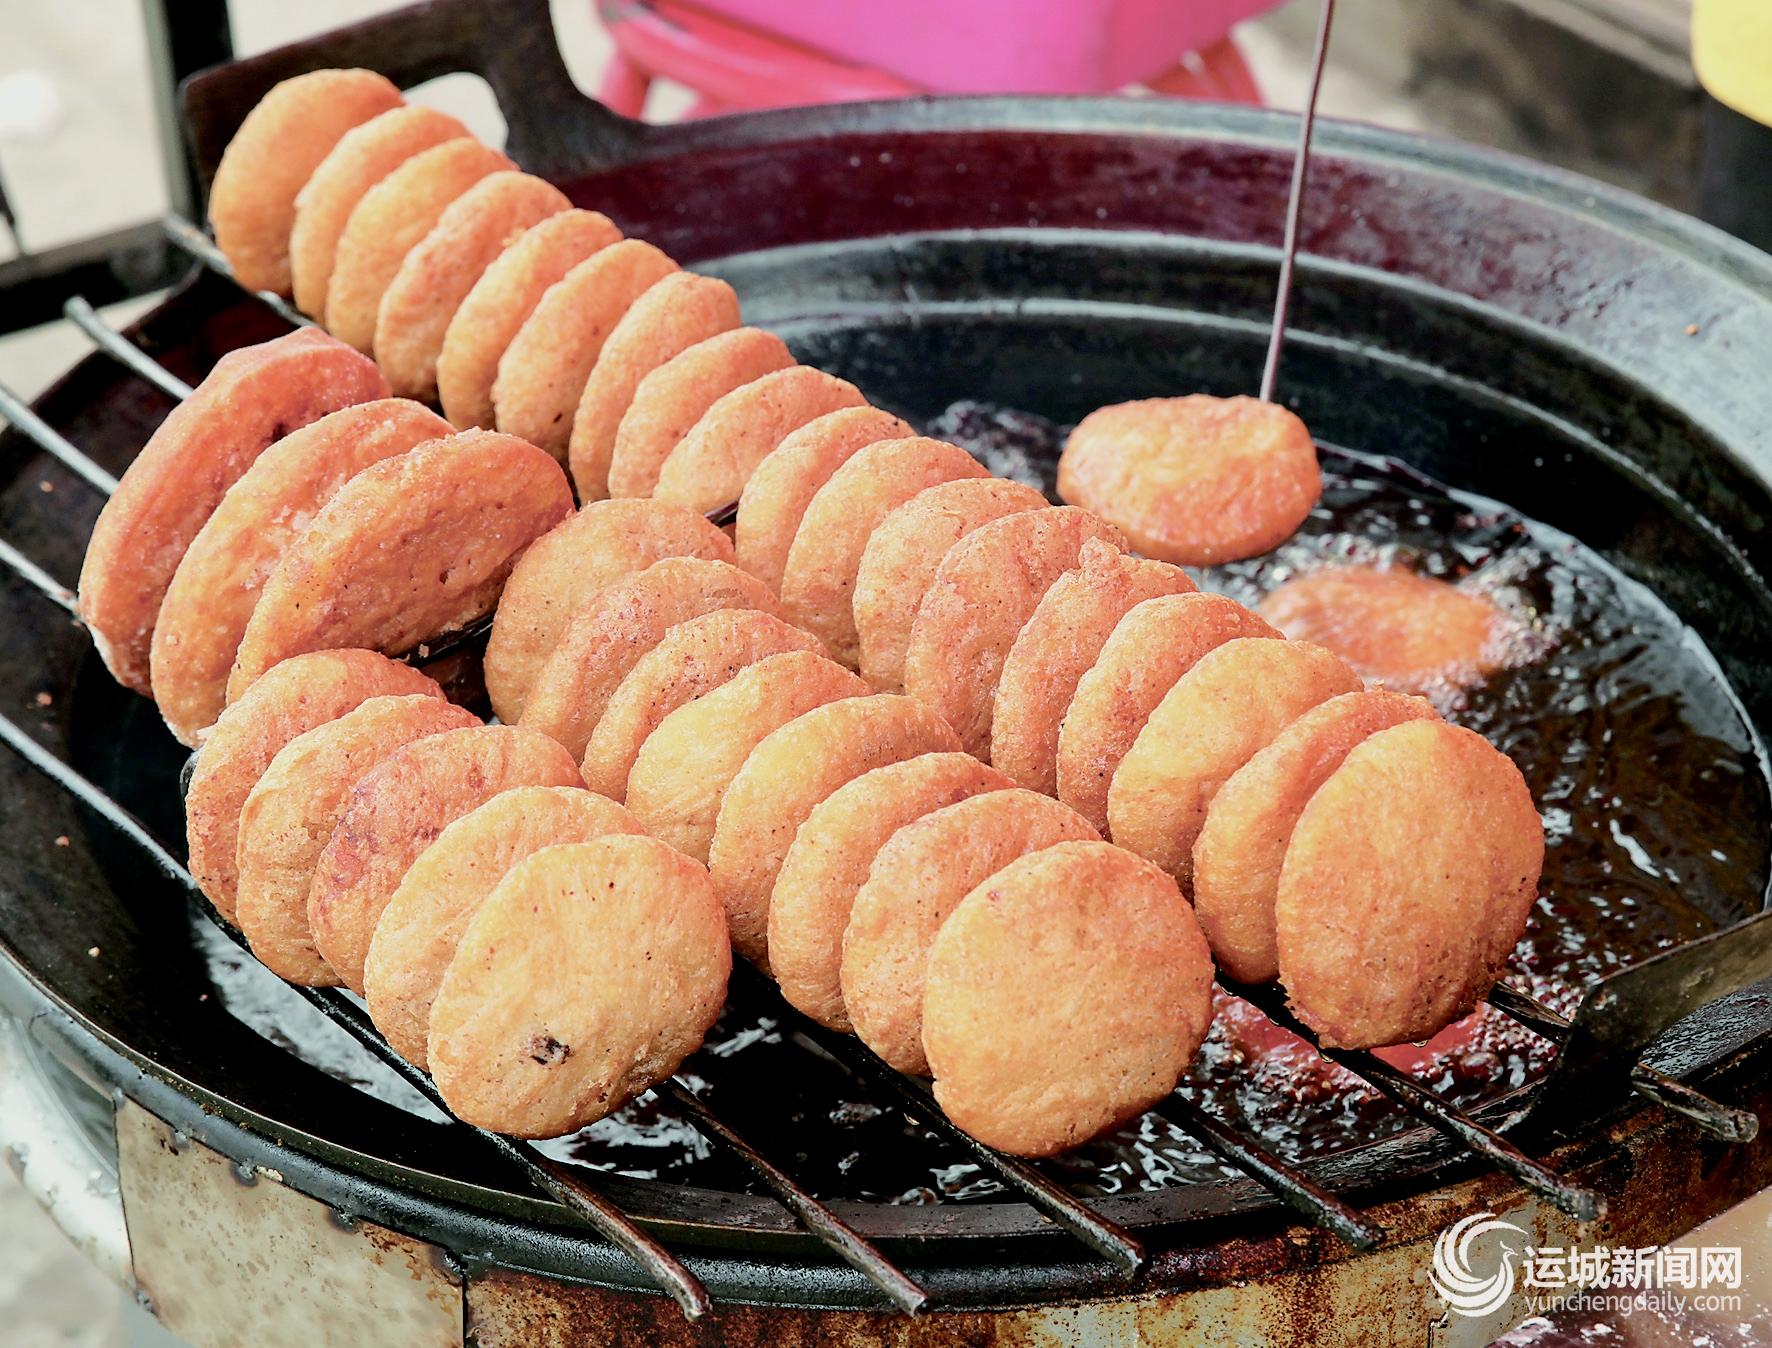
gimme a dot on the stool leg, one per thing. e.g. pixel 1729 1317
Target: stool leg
pixel 623 86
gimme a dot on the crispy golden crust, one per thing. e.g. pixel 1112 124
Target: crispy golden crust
pixel 1194 480
pixel 1149 649
pixel 1065 995
pixel 543 372
pixel 1231 704
pixel 618 625
pixel 785 777
pixel 603 542
pixel 291 812
pixel 983 592
pixel 775 499
pixel 682 771
pixel 294 697
pixel 901 558
pixel 1400 629
pixel 1242 845
pixel 281 142
pixel 436 276
pixel 398 809
pixel 252 398
pixel 423 923
pixel 709 466
pixel 363 156
pixel 501 302
pixel 671 399
pixel 668 319
pixel 411 548
pixel 1407 882
pixel 693 658
pixel 1061 639
pixel 391 220
pixel 213 592
pixel 818 580
pixel 575 988
pixel 829 859
pixel 916 879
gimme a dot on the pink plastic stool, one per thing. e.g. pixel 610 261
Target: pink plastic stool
pixel 774 53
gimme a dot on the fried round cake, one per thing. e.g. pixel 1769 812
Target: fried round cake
pixel 1065 995
pixel 1196 480
pixel 583 979
pixel 1407 882
pixel 1230 705
pixel 251 399
pixel 216 586
pixel 1242 844
pixel 560 575
pixel 618 625
pixel 294 807
pixel 668 319
pixel 410 549
pixel 502 300
pixel 1059 643
pixel 421 927
pixel 828 863
pixel 916 879
pixel 902 555
pixel 398 809
pixel 1149 649
pixel 283 139
pixel 983 593
pixel 296 696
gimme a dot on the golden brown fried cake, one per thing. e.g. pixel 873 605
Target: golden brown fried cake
pixel 682 771
pixel 543 372
pixel 602 543
pixel 501 302
pixel 281 142
pixel 619 624
pixel 363 156
pixel 829 859
pixel 1399 629
pixel 1231 704
pixel 789 772
pixel 251 399
pixel 1066 995
pixel 1407 882
pixel 668 319
pixel 673 398
pixel 583 979
pixel 984 591
pixel 398 809
pixel 818 580
pixel 919 877
pixel 389 222
pixel 293 809
pixel 692 659
pixel 901 558
pixel 423 923
pixel 442 267
pixel 1194 480
pixel 213 592
pixel 1059 643
pixel 709 466
pixel 1148 650
pixel 410 549
pixel 294 697
pixel 1242 845
pixel 775 499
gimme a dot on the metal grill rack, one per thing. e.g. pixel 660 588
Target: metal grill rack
pixel 1106 1238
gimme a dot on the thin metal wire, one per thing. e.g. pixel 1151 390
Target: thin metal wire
pixel 1270 373
pixel 195 242
pixel 51 588
pixel 16 410
pixel 113 343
